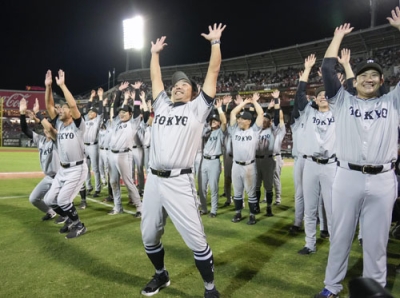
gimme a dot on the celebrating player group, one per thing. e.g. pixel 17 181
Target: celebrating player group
pixel 169 150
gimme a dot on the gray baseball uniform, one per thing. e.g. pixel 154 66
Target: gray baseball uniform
pixel 73 171
pixel 228 163
pixel 211 167
pixel 90 139
pixel 120 160
pixel 49 163
pixel 137 154
pixel 244 171
pixel 319 168
pixel 103 147
pixel 280 132
pixel 365 184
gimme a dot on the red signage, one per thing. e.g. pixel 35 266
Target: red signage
pixel 11 99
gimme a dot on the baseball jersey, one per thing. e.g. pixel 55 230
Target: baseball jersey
pixel 279 133
pixel 370 125
pixel 70 144
pixel 245 142
pixel 179 128
pixel 92 128
pixel 266 141
pixel 319 129
pixel 102 138
pixel 123 133
pixel 144 134
pixel 48 156
pixel 298 136
pixel 214 143
pixel 228 141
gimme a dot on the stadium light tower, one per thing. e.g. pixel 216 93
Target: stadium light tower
pixel 133 37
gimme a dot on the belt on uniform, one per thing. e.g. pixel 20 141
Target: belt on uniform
pixel 91 143
pixel 121 150
pixel 367 169
pixel 231 155
pixel 322 161
pixel 260 156
pixel 166 174
pixel 135 147
pixel 71 164
pixel 272 155
pixel 103 148
pixel 211 156
pixel 244 163
pixel 146 147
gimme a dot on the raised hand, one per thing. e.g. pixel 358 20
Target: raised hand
pixel 48 80
pixel 60 80
pixel 226 99
pixel 345 56
pixel 100 92
pixel 276 93
pixel 142 96
pixel 36 107
pixel 271 104
pixel 238 99
pixel 22 106
pixel 123 86
pixel 395 19
pixel 343 30
pixel 310 61
pixel 159 45
pixel 256 97
pixel 215 32
pixel 92 95
pixel 218 103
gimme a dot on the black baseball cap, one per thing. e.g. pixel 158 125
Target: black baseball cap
pixel 319 90
pixel 268 116
pixel 369 64
pixel 92 108
pixel 180 75
pixel 215 117
pixel 126 108
pixel 245 115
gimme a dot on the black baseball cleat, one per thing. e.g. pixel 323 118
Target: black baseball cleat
pixel 212 215
pixel 82 205
pixel 76 231
pixel 294 230
pixel 325 293
pixel 89 190
pixel 226 204
pixel 158 282
pixel 137 214
pixel 108 199
pixel 211 293
pixel 252 220
pixel 305 251
pixel 237 217
pixel 96 194
pixel 67 226
pixel 324 234
pixel 269 212
pixel 49 216
pixel 60 220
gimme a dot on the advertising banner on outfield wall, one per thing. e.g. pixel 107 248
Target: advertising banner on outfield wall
pixel 11 99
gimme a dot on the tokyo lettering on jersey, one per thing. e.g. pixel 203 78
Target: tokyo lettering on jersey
pixel 245 142
pixel 70 144
pixel 319 129
pixel 266 142
pixel 48 155
pixel 92 128
pixel 180 126
pixel 123 133
pixel 214 143
pixel 371 127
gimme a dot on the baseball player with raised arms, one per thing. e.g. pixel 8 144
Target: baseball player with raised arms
pixel 227 151
pixel 72 173
pixel 211 164
pixel 93 120
pixel 365 184
pixel 48 157
pixel 319 154
pixel 244 144
pixel 264 152
pixel 124 128
pixel 170 187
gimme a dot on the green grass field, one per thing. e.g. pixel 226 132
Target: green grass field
pixel 109 261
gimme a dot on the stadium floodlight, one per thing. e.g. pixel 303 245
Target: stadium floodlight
pixel 133 33
pixel 133 37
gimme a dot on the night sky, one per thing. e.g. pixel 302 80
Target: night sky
pixel 85 37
